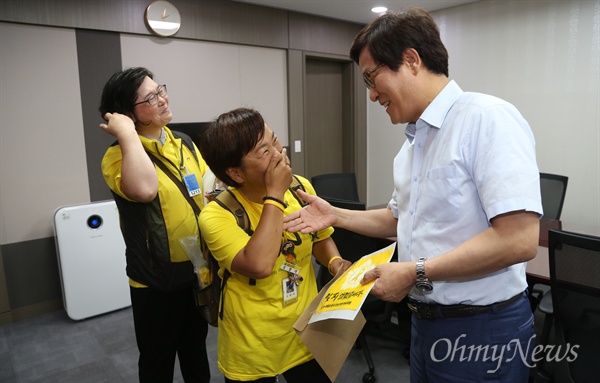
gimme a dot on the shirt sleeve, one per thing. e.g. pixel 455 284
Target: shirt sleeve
pixel 503 161
pixel 222 234
pixel 111 170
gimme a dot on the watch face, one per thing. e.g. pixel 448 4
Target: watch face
pixel 424 286
pixel 163 18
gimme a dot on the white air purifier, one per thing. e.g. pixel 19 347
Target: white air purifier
pixel 91 259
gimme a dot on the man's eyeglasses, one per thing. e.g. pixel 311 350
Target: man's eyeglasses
pixel 153 98
pixel 369 77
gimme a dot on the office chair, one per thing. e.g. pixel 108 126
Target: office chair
pixel 341 186
pixel 353 246
pixel 192 129
pixel 575 286
pixel 553 188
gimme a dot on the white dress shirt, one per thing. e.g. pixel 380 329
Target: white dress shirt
pixel 469 158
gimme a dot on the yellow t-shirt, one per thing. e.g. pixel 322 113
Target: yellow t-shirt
pixel 173 216
pixel 256 338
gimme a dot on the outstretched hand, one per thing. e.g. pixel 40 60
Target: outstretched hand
pixel 315 216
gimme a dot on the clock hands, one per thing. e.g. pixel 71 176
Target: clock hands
pixel 162 18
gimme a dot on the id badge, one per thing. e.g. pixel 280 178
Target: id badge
pixel 191 183
pixel 289 267
pixel 290 291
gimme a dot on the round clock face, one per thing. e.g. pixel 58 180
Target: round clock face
pixel 163 18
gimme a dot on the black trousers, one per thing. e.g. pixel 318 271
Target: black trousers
pixel 168 324
pixel 304 373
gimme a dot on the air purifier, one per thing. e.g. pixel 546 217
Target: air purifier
pixel 91 259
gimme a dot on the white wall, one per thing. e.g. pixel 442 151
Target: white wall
pixel 42 151
pixel 384 140
pixel 542 56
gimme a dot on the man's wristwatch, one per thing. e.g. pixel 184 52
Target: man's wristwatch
pixel 423 283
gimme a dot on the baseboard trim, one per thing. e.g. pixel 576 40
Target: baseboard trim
pixel 30 311
pixel 5 318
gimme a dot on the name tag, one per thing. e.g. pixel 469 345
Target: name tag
pixel 286 266
pixel 290 291
pixel 191 184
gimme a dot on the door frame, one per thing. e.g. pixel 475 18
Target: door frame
pixel 355 104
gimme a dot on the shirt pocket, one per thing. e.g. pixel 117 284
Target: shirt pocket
pixel 439 197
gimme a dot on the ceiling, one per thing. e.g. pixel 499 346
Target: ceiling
pixel 358 11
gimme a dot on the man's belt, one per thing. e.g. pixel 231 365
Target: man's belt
pixel 427 311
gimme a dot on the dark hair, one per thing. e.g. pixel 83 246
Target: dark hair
pixel 389 35
pixel 120 92
pixel 229 138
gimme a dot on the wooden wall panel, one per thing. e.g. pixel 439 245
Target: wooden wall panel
pixel 317 34
pixel 211 20
pixel 98 57
pixel 233 22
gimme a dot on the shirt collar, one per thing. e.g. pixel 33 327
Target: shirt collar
pixel 436 111
pixel 163 136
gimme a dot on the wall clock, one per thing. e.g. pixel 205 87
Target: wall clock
pixel 163 18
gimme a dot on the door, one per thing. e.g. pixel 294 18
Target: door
pixel 327 134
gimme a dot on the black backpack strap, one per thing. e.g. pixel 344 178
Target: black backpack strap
pixel 227 201
pixel 296 184
pixel 187 141
pixel 177 182
pixel 226 275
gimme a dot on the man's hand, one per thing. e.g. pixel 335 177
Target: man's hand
pixel 317 215
pixel 393 280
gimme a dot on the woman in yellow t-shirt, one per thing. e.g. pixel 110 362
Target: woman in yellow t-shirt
pixel 272 276
pixel 142 169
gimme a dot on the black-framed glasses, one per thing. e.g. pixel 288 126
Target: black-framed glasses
pixel 153 98
pixel 369 77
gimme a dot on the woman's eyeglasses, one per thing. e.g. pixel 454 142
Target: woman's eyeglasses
pixel 369 77
pixel 153 98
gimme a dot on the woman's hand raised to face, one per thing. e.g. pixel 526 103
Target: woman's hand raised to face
pixel 118 124
pixel 278 176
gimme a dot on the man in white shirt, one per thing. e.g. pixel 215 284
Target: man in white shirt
pixel 465 209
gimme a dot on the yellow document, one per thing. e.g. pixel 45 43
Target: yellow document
pixel 345 296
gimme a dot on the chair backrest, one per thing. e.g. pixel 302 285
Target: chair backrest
pixel 575 287
pixel 336 185
pixel 192 129
pixel 553 188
